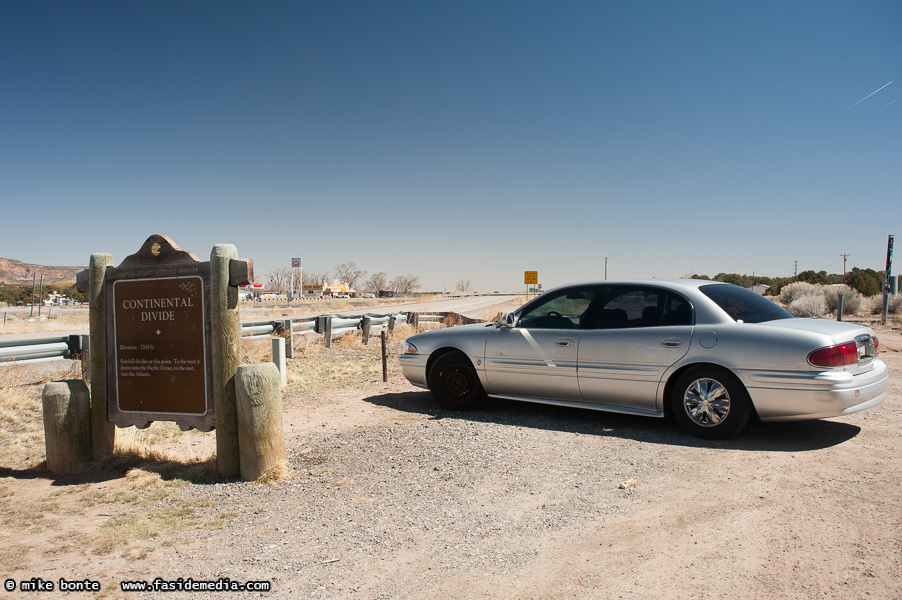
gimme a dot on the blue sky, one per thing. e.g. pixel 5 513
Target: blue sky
pixel 456 140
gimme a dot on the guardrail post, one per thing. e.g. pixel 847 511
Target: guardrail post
pixel 365 328
pixel 262 440
pixel 278 359
pixel 327 330
pixel 103 433
pixel 289 341
pixel 67 425
pixel 74 344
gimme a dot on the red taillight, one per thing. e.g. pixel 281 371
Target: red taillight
pixel 876 345
pixel 835 356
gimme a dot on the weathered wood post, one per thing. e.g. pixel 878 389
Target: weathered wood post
pixel 67 425
pixel 384 359
pixel 262 441
pixel 226 332
pixel 103 433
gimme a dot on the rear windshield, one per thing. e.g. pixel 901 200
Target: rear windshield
pixel 744 306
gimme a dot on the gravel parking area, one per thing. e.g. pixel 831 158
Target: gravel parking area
pixel 396 498
pixel 393 497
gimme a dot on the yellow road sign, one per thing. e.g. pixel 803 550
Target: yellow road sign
pixel 530 277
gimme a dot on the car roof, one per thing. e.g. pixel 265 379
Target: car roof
pixel 667 283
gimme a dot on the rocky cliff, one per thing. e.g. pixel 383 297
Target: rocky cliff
pixel 15 271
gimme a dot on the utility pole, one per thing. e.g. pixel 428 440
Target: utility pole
pixel 605 268
pixel 31 314
pixel 41 295
pixel 887 275
pixel 844 257
pixel 795 269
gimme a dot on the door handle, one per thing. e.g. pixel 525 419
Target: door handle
pixel 671 342
pixel 564 342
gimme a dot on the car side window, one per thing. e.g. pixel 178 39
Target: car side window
pixel 677 311
pixel 628 307
pixel 564 309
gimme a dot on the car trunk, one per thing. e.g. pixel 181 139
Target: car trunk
pixel 839 333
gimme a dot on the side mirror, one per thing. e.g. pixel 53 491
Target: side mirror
pixel 509 321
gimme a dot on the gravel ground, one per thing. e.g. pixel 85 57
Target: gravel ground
pixel 393 497
pixel 396 498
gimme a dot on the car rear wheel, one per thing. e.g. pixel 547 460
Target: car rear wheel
pixel 454 383
pixel 710 402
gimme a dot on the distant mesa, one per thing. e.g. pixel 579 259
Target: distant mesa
pixel 16 272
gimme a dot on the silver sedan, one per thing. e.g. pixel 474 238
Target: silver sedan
pixel 708 354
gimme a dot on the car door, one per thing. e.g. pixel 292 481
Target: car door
pixel 633 335
pixel 537 357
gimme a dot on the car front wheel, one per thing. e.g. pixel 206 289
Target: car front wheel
pixel 454 382
pixel 710 402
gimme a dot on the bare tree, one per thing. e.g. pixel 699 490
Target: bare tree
pixel 349 273
pixel 404 284
pixel 463 285
pixel 279 279
pixel 376 282
pixel 316 277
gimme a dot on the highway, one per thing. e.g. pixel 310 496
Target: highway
pixel 475 307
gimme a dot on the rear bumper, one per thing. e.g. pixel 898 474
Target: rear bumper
pixel 797 396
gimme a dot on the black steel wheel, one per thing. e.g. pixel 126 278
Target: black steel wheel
pixel 454 382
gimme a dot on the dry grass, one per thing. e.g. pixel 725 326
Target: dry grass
pixel 349 362
pixel 326 306
pixel 276 474
pixel 59 320
pixel 21 420
pixel 155 462
pixel 256 350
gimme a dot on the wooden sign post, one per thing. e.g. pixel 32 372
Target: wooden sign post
pixel 167 342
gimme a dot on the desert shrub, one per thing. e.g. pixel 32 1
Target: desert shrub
pixel 799 289
pixel 852 301
pixel 875 305
pixel 808 306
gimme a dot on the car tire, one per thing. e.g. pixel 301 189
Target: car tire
pixel 454 383
pixel 710 402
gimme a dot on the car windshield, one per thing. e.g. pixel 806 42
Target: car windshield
pixel 744 306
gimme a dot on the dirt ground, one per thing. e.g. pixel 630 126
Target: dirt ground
pixel 392 497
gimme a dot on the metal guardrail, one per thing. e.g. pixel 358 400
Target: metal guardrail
pixel 336 324
pixel 42 349
pixel 70 346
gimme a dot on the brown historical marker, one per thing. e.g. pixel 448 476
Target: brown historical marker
pixel 159 365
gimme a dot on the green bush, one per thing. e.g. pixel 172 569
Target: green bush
pixel 866 281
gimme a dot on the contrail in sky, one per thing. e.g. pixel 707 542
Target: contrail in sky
pixel 886 105
pixel 866 97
